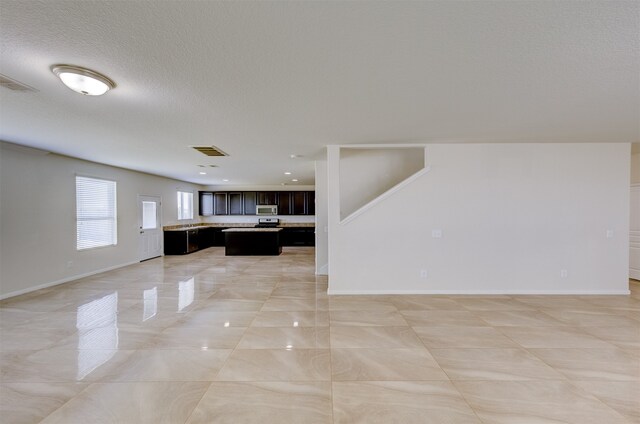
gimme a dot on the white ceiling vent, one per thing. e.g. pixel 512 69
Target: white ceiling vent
pixel 14 85
pixel 210 150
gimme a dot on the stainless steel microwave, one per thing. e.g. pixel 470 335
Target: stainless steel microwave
pixel 266 210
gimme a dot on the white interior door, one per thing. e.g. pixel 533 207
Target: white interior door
pixel 149 223
pixel 634 233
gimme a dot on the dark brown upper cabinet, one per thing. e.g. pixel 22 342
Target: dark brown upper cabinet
pixel 284 203
pixel 267 197
pixel 298 203
pixel 220 203
pixel 235 203
pixel 310 202
pixel 244 202
pixel 205 203
pixel 249 200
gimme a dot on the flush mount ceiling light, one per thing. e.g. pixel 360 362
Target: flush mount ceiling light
pixel 83 80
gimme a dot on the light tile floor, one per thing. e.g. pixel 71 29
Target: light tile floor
pixel 208 339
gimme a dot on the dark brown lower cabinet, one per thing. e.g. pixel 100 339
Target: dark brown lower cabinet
pixel 181 242
pixel 298 236
pixel 252 243
pixel 188 241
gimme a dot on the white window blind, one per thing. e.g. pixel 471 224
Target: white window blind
pixel 96 221
pixel 185 205
pixel 149 215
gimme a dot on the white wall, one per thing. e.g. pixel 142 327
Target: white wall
pixel 367 173
pixel 322 224
pixel 512 217
pixel 37 218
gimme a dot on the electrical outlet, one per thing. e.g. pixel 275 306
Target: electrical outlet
pixel 423 273
pixel 563 273
pixel 609 234
pixel 436 233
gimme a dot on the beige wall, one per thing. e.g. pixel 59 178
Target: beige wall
pixel 635 168
pixel 37 217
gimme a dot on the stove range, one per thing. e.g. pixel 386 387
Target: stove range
pixel 267 223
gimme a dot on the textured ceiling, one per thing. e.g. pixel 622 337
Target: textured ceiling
pixel 264 80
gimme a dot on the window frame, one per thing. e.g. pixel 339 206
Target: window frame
pixel 181 209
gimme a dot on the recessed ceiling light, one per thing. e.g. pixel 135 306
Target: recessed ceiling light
pixel 83 80
pixel 225 180
pixel 202 173
pixel 295 156
pixel 287 173
pixel 294 180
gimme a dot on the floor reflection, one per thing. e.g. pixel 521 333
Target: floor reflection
pixel 186 293
pixel 97 323
pixel 150 299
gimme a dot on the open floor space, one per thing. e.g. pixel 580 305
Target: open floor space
pixel 205 338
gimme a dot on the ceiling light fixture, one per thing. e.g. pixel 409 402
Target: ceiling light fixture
pixel 225 180
pixel 83 80
pixel 294 180
pixel 287 173
pixel 202 173
pixel 295 156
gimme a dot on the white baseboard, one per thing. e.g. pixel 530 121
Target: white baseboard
pixel 63 280
pixel 482 292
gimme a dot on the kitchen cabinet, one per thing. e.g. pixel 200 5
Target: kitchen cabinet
pixel 267 198
pixel 245 202
pixel 284 203
pixel 205 237
pixel 310 202
pixel 298 203
pixel 181 242
pixel 220 203
pixel 298 236
pixel 252 241
pixel 205 203
pixel 249 201
pixel 235 203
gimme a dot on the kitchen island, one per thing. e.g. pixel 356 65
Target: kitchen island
pixel 252 241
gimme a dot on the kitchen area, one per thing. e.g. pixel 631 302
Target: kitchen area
pixel 246 223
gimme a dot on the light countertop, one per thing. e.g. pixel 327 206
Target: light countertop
pixel 234 225
pixel 252 230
